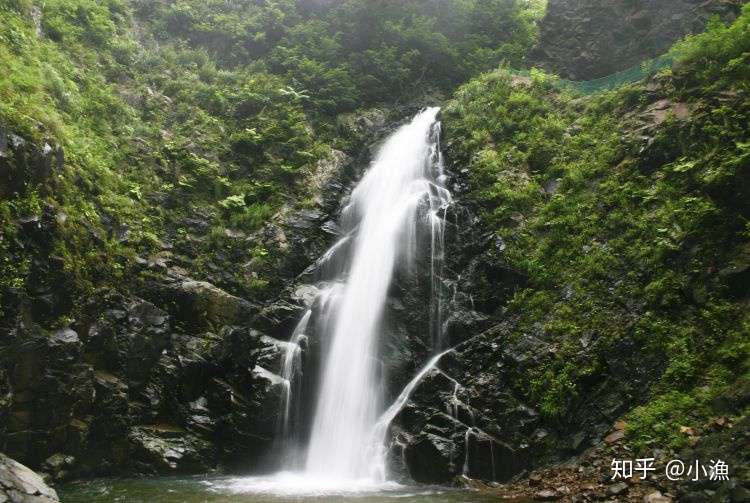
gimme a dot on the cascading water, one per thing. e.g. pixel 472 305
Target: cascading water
pixel 399 205
pixel 291 374
pixel 402 189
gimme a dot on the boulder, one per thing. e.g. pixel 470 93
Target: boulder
pixel 618 489
pixel 199 305
pixel 547 495
pixel 213 303
pixel 167 449
pixel 58 466
pixel 656 497
pixel 19 484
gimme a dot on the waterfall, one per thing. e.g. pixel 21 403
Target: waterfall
pixel 401 194
pixel 467 438
pixel 291 374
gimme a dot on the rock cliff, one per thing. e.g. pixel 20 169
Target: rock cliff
pixel 584 40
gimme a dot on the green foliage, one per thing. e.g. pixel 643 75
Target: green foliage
pixel 657 424
pixel 521 136
pixel 169 109
pixel 718 57
pixel 620 242
pixel 356 52
pixel 139 123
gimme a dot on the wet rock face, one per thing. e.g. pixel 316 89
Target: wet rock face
pixel 446 431
pixel 470 418
pixel 123 391
pixel 129 341
pixel 165 449
pixel 428 458
pixel 583 40
pixel 49 383
pixel 19 484
pixel 23 162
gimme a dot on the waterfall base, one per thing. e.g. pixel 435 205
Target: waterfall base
pixel 282 488
pixel 294 484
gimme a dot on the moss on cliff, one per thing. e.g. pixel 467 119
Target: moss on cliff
pixel 184 126
pixel 628 212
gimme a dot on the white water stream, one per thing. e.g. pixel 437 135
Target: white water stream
pixel 401 188
pixel 400 198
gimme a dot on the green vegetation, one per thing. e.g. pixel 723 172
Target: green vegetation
pixel 186 125
pixel 355 52
pixel 628 213
pixel 170 112
pixel 142 127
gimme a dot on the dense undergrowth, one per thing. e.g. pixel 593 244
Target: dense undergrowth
pixel 170 112
pixel 628 213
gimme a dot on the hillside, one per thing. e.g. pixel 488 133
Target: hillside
pixel 176 178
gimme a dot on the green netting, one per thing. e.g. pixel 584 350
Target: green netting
pixel 627 76
pixel 630 75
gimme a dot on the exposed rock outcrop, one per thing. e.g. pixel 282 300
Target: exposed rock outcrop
pixel 125 391
pixel 470 418
pixel 583 40
pixel 18 484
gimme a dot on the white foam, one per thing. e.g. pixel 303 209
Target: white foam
pixel 290 484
